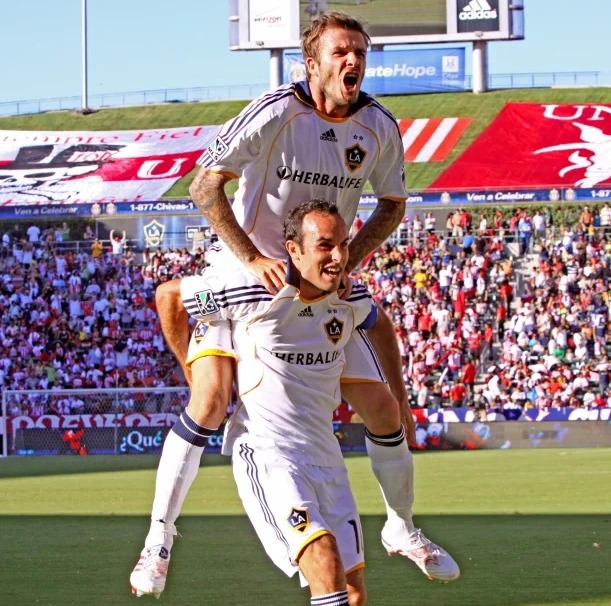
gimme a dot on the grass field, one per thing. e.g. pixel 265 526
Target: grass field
pixel 527 528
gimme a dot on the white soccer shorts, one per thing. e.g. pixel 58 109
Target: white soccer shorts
pixel 211 339
pixel 290 504
pixel 362 364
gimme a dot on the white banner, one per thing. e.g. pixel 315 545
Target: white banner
pixel 72 167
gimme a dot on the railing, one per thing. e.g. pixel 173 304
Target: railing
pixel 135 98
pixel 250 91
pixel 545 80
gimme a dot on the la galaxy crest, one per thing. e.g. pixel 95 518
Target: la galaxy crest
pixel 354 157
pixel 299 519
pixel 200 332
pixel 153 233
pixel 334 329
pixel 206 303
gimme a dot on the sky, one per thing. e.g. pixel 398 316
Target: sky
pixel 136 45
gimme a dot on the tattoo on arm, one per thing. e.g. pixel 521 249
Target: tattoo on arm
pixel 208 193
pixel 380 225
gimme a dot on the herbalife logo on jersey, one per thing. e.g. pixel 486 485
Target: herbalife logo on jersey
pixel 206 303
pixel 329 135
pixel 306 312
pixel 478 15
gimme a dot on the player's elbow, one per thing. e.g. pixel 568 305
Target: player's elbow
pixel 208 191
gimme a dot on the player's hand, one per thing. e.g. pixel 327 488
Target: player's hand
pixel 271 272
pixel 346 289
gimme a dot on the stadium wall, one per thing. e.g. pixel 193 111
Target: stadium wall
pixel 136 421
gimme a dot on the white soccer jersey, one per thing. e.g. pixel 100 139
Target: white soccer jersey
pixel 285 152
pixel 290 359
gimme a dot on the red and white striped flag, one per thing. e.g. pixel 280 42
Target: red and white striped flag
pixel 430 139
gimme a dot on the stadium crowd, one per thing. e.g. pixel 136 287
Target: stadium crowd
pixel 477 326
pixel 83 319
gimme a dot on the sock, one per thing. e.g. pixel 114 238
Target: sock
pixel 393 467
pixel 338 598
pixel 178 467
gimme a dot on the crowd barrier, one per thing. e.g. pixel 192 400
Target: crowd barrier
pixel 351 436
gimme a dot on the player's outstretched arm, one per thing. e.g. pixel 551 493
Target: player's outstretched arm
pixel 376 230
pixel 208 193
pixel 174 321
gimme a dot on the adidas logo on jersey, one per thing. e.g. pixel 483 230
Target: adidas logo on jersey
pixel 329 135
pixel 477 9
pixel 306 312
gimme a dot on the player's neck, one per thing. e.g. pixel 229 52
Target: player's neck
pixel 309 292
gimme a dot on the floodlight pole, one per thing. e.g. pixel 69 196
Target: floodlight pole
pixel 479 61
pixel 275 68
pixel 84 103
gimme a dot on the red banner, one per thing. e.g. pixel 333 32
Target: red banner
pixel 529 144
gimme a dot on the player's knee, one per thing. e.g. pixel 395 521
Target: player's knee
pixel 357 593
pixel 375 404
pixel 210 389
pixel 357 597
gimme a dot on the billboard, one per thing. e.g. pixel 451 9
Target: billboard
pixel 53 168
pixel 268 24
pixel 432 435
pixel 400 71
pixel 533 145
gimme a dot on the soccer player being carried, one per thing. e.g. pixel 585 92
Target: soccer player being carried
pixel 320 138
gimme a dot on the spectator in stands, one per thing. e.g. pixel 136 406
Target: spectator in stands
pixel 117 243
pixel 89 233
pixel 33 234
pixel 586 219
pixel 605 218
pixel 97 249
pixel 539 227
pixel 525 231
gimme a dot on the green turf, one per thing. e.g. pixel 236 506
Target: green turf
pixel 528 528
pixel 480 108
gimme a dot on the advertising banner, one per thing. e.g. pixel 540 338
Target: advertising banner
pixel 430 435
pixel 421 415
pixel 477 16
pixel 44 168
pixel 400 71
pixel 449 429
pixel 538 145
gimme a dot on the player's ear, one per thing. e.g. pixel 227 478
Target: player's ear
pixel 292 248
pixel 311 66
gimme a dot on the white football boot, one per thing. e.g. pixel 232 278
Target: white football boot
pixel 434 561
pixel 149 575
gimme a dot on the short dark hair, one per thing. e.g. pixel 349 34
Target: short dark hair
pixel 293 224
pixel 310 36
